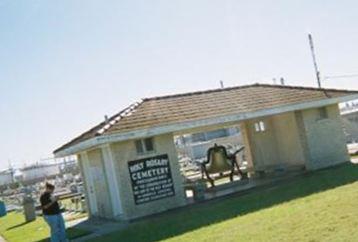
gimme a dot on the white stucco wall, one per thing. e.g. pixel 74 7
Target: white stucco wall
pixel 299 138
pixel 96 167
pixel 278 145
pixel 263 145
pixel 123 152
pixel 88 188
pixel 326 141
pixel 287 138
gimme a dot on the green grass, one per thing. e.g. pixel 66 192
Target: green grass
pixel 321 206
pixel 14 229
pixel 354 156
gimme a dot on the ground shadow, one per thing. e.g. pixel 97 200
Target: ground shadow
pixel 72 233
pixel 18 225
pixel 190 218
pixel 45 240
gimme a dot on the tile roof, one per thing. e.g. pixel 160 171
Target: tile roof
pixel 172 109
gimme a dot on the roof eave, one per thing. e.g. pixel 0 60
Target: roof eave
pixel 110 138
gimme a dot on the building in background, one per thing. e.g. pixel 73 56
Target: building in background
pixel 6 177
pixel 349 115
pixel 38 172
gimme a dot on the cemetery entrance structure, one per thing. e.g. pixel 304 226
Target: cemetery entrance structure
pixel 148 158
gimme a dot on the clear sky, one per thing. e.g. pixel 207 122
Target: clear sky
pixel 65 64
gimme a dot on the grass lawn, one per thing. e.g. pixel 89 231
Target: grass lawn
pixel 322 206
pixel 14 229
pixel 354 156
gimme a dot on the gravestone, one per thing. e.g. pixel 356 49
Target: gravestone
pixel 29 208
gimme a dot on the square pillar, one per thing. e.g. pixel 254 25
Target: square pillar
pixel 88 181
pixel 112 180
pixel 246 140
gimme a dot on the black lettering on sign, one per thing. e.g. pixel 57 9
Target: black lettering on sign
pixel 151 179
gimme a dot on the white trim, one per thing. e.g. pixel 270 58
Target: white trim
pixel 355 110
pixel 112 180
pixel 104 139
pixel 92 200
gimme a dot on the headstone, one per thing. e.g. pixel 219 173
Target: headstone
pixel 199 190
pixel 29 208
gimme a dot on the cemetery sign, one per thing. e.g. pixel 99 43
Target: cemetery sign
pixel 151 179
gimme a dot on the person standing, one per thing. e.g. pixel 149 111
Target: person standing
pixel 52 214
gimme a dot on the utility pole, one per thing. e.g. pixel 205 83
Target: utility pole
pixel 314 60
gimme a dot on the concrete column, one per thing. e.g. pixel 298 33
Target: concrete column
pixel 88 181
pixel 303 138
pixel 246 139
pixel 112 180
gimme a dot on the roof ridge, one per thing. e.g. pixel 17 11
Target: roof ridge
pixel 184 94
pixel 245 86
pixel 118 116
pixel 305 88
pixel 102 125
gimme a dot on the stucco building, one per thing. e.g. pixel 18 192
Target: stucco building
pixel 38 172
pixel 350 122
pixel 6 177
pixel 130 163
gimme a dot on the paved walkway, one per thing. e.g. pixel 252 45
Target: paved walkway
pixel 98 227
pixel 2 239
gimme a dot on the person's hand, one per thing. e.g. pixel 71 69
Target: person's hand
pixel 54 199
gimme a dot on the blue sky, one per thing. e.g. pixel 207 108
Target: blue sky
pixel 65 64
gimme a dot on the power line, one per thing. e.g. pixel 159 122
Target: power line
pixel 340 76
